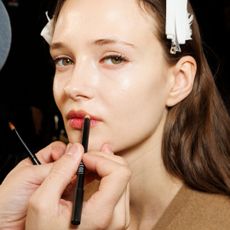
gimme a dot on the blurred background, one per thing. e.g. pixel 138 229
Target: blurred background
pixel 26 97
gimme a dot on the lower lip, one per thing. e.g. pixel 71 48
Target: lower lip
pixel 77 123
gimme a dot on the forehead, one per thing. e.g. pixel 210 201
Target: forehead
pixel 103 17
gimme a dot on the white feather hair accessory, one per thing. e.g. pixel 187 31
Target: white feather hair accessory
pixel 178 23
pixel 47 31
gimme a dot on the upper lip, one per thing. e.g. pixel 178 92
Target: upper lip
pixel 80 114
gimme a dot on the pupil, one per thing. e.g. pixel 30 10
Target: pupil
pixel 117 59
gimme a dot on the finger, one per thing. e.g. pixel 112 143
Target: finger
pixel 115 177
pixel 60 176
pixel 109 156
pixel 28 177
pixel 106 153
pixel 48 154
pixel 106 148
pixel 51 152
pixel 38 174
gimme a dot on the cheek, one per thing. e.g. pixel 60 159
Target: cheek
pixel 135 112
pixel 58 92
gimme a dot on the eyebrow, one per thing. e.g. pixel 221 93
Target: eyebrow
pixel 56 45
pixel 103 42
pixel 98 42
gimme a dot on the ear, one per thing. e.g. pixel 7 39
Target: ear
pixel 183 75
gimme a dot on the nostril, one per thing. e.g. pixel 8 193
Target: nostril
pixel 75 93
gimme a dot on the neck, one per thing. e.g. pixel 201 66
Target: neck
pixel 151 187
pixel 151 190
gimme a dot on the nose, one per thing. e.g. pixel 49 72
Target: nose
pixel 81 85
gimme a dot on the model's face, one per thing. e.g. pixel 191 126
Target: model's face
pixel 109 64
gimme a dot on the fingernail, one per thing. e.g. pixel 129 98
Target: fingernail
pixel 68 146
pixel 73 149
pixel 106 149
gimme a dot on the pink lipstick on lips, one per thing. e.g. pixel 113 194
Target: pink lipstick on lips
pixel 76 119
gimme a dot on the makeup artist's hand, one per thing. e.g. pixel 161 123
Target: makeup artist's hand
pixel 21 182
pixel 108 206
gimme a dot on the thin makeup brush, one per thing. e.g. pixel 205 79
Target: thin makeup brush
pixel 79 192
pixel 32 156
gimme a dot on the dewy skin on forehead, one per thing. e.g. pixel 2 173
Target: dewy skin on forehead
pixel 104 17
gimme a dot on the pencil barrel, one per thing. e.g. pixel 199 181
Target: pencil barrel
pixel 78 201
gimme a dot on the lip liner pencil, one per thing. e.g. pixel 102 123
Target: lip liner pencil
pixel 79 192
pixel 32 156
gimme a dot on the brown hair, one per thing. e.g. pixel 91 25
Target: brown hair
pixel 57 9
pixel 195 148
pixel 195 142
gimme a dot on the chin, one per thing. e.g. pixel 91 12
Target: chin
pixel 74 137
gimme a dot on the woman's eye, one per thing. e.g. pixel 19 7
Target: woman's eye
pixel 114 59
pixel 62 61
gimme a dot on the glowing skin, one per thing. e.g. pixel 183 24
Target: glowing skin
pixel 127 93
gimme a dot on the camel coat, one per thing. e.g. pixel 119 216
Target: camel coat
pixel 193 210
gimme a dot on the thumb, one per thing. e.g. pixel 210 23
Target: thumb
pixel 60 176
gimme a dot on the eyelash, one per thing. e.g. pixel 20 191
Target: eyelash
pixel 119 59
pixel 58 59
pixel 116 58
